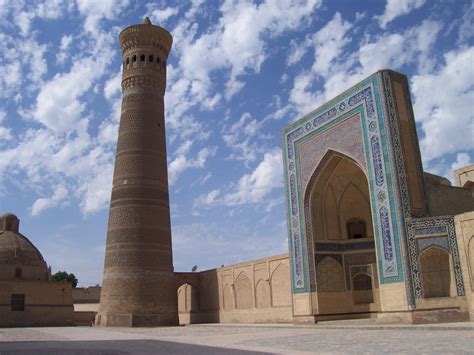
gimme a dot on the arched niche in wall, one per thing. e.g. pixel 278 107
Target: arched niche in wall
pixel 228 297
pixel 188 298
pixel 262 290
pixel 243 292
pixel 280 284
pixel 435 272
pixel 362 289
pixel 470 256
pixel 330 275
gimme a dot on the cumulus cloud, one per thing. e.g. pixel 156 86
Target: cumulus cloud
pixel 94 11
pixel 251 188
pixel 344 69
pixel 60 147
pixel 182 163
pixel 395 8
pixel 235 44
pixel 44 203
pixel 21 62
pixel 47 9
pixel 463 159
pixel 64 47
pixel 443 104
pixel 159 15
pixel 5 133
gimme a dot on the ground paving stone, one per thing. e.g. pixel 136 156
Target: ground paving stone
pixel 455 338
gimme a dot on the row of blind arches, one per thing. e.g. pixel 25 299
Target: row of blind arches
pixel 140 60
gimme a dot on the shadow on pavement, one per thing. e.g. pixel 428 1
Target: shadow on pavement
pixel 106 347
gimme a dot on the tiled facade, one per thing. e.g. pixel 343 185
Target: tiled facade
pixel 371 124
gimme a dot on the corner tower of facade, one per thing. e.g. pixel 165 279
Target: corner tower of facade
pixel 138 284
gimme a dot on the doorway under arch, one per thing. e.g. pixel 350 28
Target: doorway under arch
pixel 340 223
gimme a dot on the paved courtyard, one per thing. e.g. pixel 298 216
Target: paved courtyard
pixel 329 337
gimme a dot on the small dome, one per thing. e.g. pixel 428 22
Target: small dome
pixel 19 258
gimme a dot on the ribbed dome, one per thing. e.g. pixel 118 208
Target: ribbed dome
pixel 19 258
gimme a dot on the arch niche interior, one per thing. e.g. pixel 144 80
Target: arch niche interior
pixel 340 222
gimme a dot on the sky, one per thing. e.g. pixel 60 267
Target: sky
pixel 239 71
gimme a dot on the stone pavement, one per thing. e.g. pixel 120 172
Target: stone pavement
pixel 327 337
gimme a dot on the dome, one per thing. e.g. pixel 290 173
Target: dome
pixel 19 258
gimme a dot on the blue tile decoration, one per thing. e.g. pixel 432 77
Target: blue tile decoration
pixel 421 236
pixel 366 99
pixel 386 240
pixel 431 230
pixel 344 246
pixel 377 158
pixel 423 243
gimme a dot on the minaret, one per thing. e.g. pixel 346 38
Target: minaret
pixel 138 287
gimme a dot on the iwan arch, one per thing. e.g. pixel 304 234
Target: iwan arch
pixel 370 234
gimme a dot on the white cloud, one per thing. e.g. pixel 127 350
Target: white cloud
pixel 395 8
pixel 235 44
pixel 443 105
pixel 159 16
pixel 45 203
pixel 22 62
pixel 48 9
pixel 329 42
pixel 64 47
pixel 94 11
pixel 388 50
pixel 254 187
pixel 462 160
pixel 5 134
pixel 113 86
pixel 58 104
pixel 251 188
pixel 182 163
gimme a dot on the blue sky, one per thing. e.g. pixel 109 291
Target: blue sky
pixel 238 72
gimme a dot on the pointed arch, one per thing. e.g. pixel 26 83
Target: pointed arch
pixel 188 298
pixel 243 292
pixel 470 260
pixel 435 272
pixel 262 294
pixel 280 286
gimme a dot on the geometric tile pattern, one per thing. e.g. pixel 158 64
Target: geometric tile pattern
pixel 430 227
pixel 363 99
pixel 344 246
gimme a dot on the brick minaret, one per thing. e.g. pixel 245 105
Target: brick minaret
pixel 138 287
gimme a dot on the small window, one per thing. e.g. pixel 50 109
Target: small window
pixel 127 61
pixel 18 273
pixel 142 58
pixel 18 302
pixel 134 58
pixel 356 228
pixel 150 58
